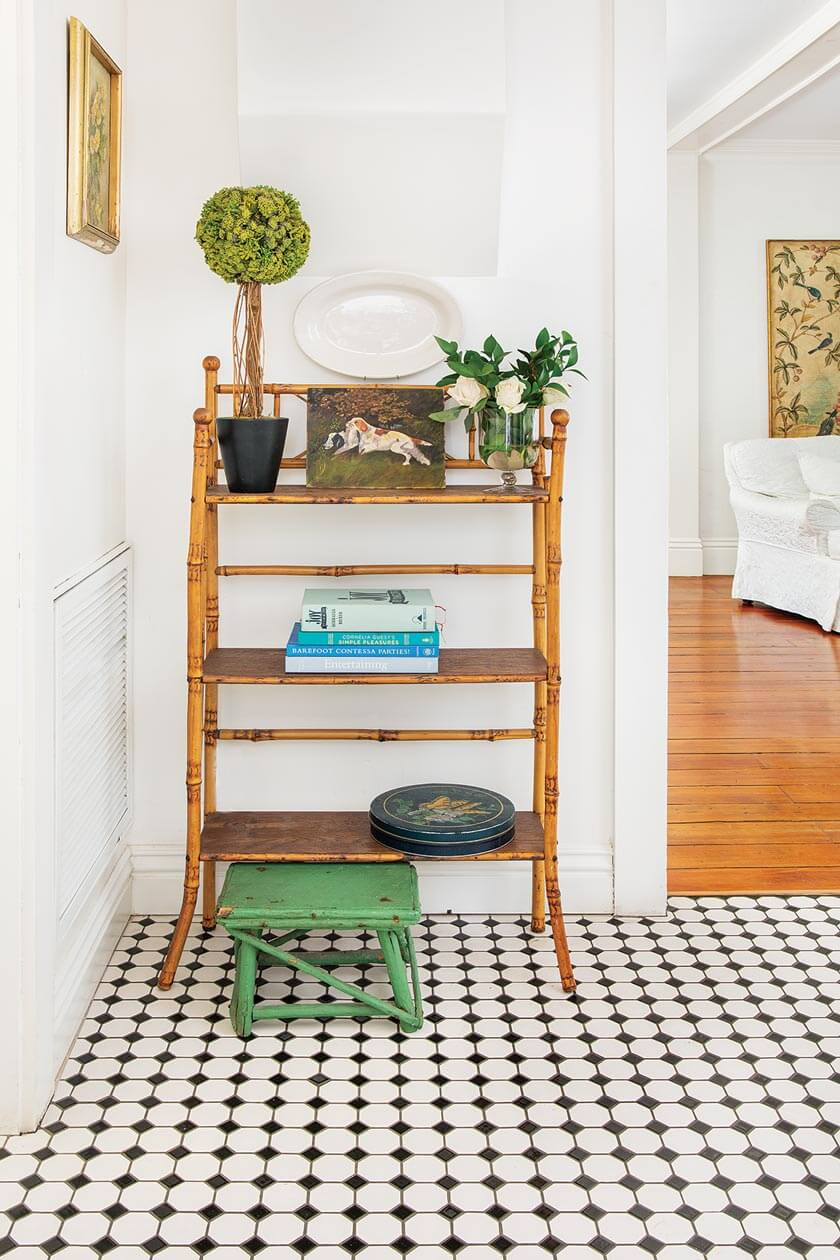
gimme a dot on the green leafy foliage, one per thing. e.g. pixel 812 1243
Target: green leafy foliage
pixel 544 367
pixel 792 413
pixel 539 370
pixel 484 367
pixel 253 234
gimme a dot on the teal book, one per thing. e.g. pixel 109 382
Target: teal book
pixel 297 646
pixel 367 608
pixel 369 638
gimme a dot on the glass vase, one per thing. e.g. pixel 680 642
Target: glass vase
pixel 507 442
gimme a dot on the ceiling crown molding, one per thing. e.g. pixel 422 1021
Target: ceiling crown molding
pixel 789 150
pixel 802 57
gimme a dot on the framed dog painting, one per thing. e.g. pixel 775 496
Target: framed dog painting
pixel 374 437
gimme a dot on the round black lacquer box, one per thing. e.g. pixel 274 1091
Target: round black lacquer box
pixel 442 820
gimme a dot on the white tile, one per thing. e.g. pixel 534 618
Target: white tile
pixel 38 1228
pixel 283 1198
pixel 427 1229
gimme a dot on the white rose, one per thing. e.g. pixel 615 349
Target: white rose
pixel 466 392
pixel 509 395
pixel 552 397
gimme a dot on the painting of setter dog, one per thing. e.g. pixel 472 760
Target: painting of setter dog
pixel 374 438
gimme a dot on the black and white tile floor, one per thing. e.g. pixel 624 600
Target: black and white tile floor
pixel 687 1104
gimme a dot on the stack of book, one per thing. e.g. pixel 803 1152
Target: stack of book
pixel 369 631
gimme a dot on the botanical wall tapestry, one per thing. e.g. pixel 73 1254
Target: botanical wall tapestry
pixel 803 298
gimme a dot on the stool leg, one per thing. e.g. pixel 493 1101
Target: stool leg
pixel 392 953
pixel 411 960
pixel 244 983
pixel 234 993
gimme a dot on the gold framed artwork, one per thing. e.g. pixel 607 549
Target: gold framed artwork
pixel 803 320
pixel 94 123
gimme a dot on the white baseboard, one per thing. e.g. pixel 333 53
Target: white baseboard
pixel 685 557
pixel 85 944
pixel 586 883
pixel 692 557
pixel 719 555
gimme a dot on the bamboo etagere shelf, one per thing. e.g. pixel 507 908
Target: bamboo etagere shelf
pixel 266 836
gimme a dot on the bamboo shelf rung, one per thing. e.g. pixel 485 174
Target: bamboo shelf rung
pixel 357 570
pixel 451 461
pixel 259 735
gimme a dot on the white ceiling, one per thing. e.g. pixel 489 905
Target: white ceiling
pixel 711 42
pixel 813 114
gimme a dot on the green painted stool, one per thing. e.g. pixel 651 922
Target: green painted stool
pixel 264 908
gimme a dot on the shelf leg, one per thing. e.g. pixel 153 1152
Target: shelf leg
pixel 538 895
pixel 211 690
pixel 182 927
pixel 179 935
pixel 196 612
pixel 538 612
pixel 558 927
pixel 559 420
pixel 208 896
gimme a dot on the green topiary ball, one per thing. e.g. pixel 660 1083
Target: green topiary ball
pixel 253 234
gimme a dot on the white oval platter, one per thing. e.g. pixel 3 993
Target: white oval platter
pixel 376 324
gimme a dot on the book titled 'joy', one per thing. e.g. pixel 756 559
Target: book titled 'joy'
pixel 374 608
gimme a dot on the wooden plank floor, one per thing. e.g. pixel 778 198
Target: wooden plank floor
pixel 754 747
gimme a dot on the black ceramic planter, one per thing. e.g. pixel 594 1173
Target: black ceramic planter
pixel 251 452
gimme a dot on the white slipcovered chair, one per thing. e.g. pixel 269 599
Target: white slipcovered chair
pixel 788 538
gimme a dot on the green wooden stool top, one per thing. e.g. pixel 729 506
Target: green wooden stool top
pixel 265 908
pixel 329 894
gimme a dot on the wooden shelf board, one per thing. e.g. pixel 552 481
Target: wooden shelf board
pixel 296 493
pixel 325 836
pixel 457 665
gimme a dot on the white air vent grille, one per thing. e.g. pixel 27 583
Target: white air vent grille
pixel 92 722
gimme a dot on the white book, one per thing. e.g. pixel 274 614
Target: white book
pixel 367 608
pixel 361 665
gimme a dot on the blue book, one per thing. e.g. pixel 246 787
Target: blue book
pixel 368 638
pixel 295 647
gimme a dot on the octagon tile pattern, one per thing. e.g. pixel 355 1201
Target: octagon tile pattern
pixel 685 1104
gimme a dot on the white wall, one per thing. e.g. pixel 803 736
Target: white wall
pixel 366 106
pixel 69 369
pixel 555 266
pixel 640 299
pixel 178 312
pixel 16 971
pixel 686 549
pixel 749 193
